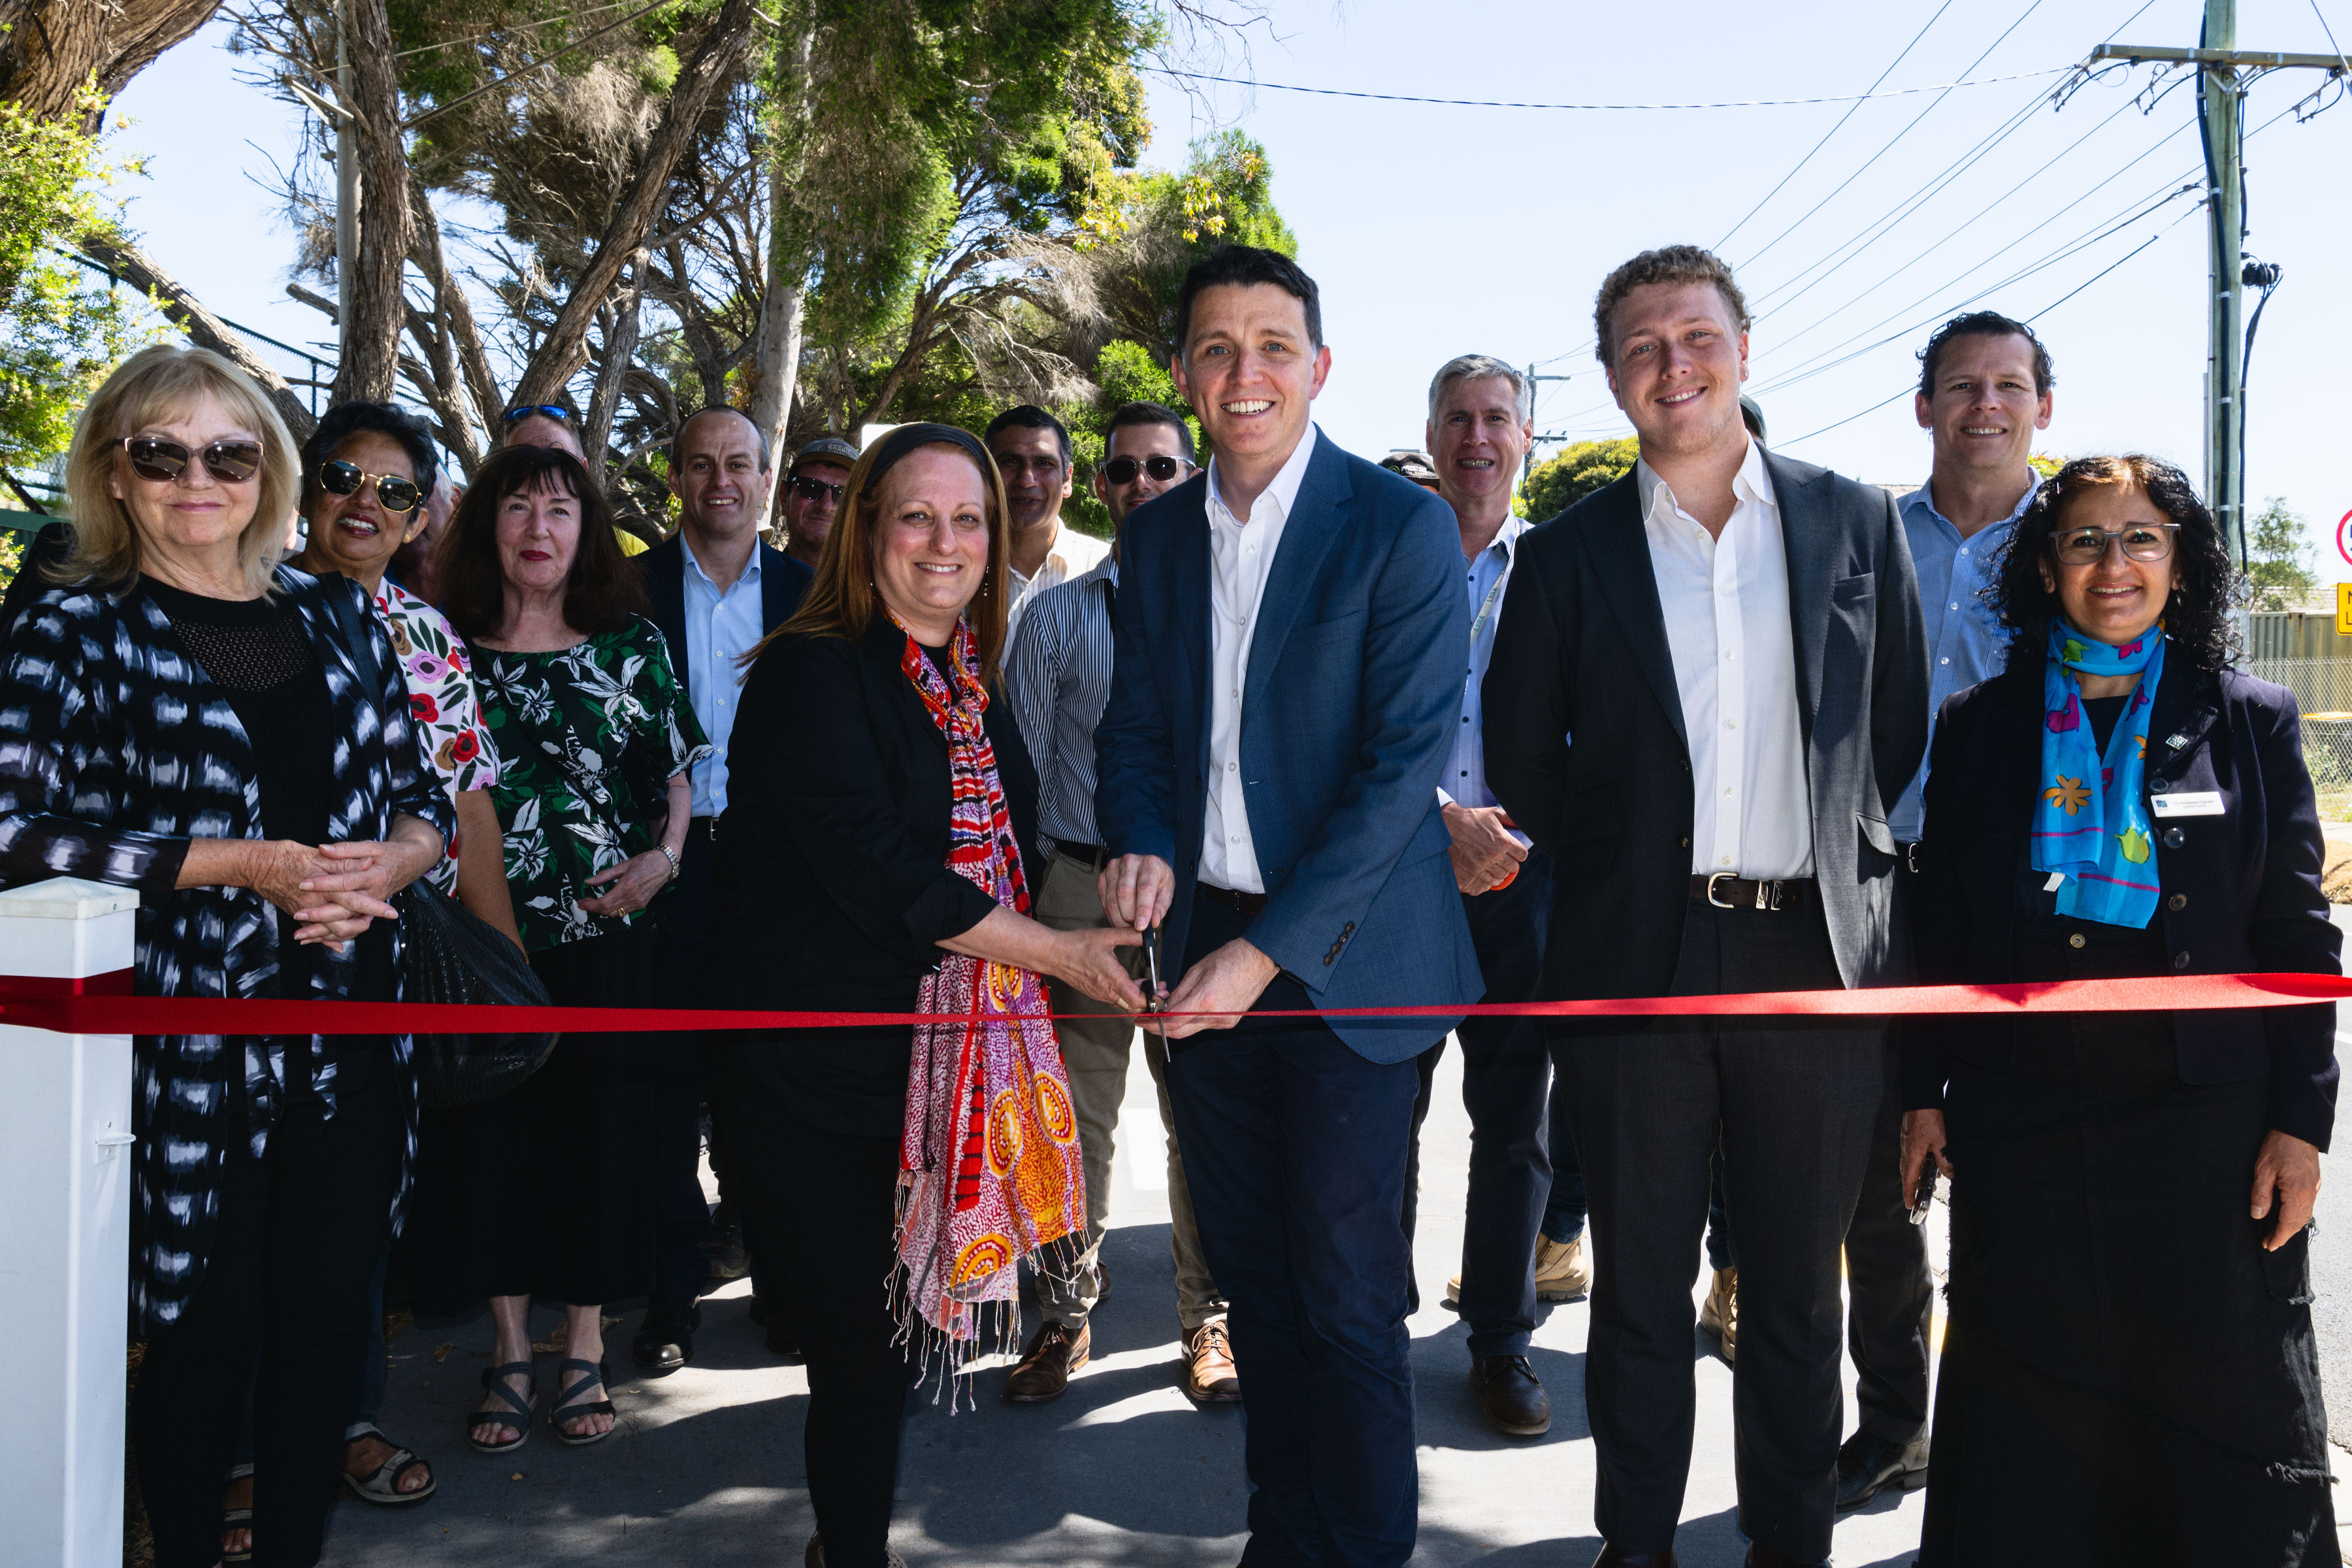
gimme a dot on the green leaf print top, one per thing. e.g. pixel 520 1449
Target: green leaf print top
pixel 589 738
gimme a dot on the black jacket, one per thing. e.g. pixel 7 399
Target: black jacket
pixel 831 885
pixel 1584 726
pixel 2242 890
pixel 783 583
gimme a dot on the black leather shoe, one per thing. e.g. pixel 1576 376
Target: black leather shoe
pixel 1611 1558
pixel 1513 1398
pixel 1765 1557
pixel 1869 1464
pixel 665 1341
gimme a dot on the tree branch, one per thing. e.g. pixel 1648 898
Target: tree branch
pixel 203 328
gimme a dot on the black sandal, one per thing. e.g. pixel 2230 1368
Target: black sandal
pixel 563 1409
pixel 494 1379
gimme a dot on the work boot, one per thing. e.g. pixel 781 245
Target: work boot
pixel 1720 1315
pixel 1561 1272
pixel 1053 1354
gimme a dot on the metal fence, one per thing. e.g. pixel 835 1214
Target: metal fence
pixel 2323 689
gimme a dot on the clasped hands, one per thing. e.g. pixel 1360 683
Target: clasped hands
pixel 336 889
pixel 1217 992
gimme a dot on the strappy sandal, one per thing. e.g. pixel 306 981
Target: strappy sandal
pixel 563 1409
pixel 238 1518
pixel 384 1486
pixel 494 1379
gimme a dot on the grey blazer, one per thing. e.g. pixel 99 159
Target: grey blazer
pixel 1584 727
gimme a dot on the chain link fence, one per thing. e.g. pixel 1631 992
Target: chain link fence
pixel 2323 689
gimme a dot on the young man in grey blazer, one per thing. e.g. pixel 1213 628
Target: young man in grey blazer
pixel 1709 687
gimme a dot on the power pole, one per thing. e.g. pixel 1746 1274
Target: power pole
pixel 2221 88
pixel 1528 459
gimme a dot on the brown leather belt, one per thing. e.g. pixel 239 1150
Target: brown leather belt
pixel 1726 891
pixel 1247 903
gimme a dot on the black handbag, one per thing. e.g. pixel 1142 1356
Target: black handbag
pixel 449 953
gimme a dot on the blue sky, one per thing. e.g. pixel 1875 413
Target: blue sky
pixel 1437 230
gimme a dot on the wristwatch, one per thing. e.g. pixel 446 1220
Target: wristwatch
pixel 674 867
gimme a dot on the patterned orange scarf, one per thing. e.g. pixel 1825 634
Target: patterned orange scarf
pixel 990 1168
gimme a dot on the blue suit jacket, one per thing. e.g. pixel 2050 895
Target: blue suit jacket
pixel 1349 708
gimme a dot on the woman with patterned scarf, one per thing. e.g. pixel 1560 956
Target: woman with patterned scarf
pixel 879 798
pixel 2130 1373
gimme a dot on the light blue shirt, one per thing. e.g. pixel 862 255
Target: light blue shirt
pixel 719 629
pixel 1965 641
pixel 1464 782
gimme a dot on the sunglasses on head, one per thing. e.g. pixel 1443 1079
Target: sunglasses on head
pixel 814 489
pixel 153 457
pixel 393 493
pixel 1160 466
pixel 561 415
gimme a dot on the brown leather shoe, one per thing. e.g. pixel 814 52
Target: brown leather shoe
pixel 1611 1558
pixel 1209 1374
pixel 1047 1365
pixel 1514 1399
pixel 1765 1557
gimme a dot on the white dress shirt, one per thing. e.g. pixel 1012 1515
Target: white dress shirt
pixel 1726 603
pixel 719 629
pixel 1241 558
pixel 1073 555
pixel 1464 782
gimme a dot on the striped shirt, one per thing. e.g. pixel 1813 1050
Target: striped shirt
pixel 1057 678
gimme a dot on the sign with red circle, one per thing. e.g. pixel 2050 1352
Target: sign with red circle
pixel 2343 536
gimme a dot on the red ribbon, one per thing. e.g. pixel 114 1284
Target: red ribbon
pixel 97 1006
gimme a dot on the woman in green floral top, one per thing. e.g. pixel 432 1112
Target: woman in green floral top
pixel 548 1191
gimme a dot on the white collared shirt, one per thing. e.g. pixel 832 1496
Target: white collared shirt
pixel 1464 782
pixel 1073 555
pixel 1725 604
pixel 1241 558
pixel 720 627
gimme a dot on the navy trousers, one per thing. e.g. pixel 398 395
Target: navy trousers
pixel 681 960
pixel 1294 1148
pixel 1506 1074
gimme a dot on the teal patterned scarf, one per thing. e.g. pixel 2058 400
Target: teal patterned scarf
pixel 2091 824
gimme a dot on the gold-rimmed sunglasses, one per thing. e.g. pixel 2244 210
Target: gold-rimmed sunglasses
pixel 158 459
pixel 393 493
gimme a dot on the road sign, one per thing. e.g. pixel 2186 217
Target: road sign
pixel 2343 536
pixel 2343 609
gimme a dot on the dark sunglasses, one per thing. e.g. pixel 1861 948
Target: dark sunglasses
pixel 391 492
pixel 1160 466
pixel 561 415
pixel 2089 546
pixel 153 457
pixel 814 489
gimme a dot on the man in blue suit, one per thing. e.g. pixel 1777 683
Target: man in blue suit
pixel 1289 639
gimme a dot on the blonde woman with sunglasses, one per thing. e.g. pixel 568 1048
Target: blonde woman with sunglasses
pixel 229 738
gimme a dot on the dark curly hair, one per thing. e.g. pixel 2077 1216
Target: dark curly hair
pixel 1983 324
pixel 346 420
pixel 2196 618
pixel 603 589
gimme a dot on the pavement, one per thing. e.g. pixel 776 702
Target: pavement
pixel 705 1466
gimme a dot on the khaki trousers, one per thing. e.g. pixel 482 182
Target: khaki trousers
pixel 1094 1050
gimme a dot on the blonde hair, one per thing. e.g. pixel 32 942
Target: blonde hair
pixel 152 385
pixel 843 601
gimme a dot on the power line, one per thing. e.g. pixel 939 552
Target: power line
pixel 1489 103
pixel 1833 129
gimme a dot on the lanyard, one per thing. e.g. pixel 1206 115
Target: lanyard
pixel 1486 607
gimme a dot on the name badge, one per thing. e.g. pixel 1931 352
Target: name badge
pixel 2193 803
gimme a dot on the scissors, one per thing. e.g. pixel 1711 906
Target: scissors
pixel 1152 1003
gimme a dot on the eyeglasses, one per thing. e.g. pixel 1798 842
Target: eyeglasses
pixel 561 415
pixel 393 493
pixel 1160 466
pixel 814 489
pixel 153 457
pixel 2089 546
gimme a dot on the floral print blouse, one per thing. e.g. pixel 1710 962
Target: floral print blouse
pixel 588 738
pixel 441 704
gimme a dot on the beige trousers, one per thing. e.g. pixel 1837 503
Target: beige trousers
pixel 1094 1050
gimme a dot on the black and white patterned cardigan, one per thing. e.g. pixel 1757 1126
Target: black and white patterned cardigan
pixel 115 750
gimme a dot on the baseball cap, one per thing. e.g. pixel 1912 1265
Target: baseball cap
pixel 825 449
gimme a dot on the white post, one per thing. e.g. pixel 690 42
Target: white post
pixel 64 1236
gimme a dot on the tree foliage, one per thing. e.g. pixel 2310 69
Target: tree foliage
pixel 1572 473
pixel 2278 559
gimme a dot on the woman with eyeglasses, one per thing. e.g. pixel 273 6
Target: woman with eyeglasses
pixel 182 715
pixel 2128 1374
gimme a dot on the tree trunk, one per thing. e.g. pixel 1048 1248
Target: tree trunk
pixel 454 314
pixel 370 366
pixel 620 349
pixel 203 328
pixel 49 48
pixel 776 343
pixel 565 348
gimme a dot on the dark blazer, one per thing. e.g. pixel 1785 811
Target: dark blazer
pixel 52 544
pixel 1584 726
pixel 783 583
pixel 1349 707
pixel 2242 890
pixel 832 889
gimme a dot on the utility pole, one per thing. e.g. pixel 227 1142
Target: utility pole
pixel 1528 459
pixel 2222 78
pixel 347 184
